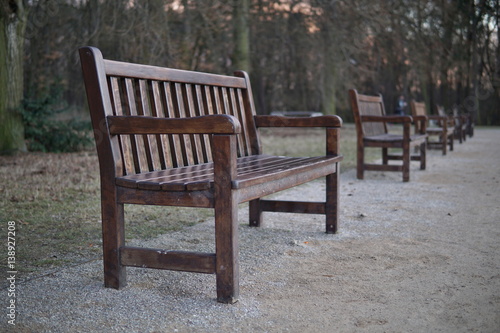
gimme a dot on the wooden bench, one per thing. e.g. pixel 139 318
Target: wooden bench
pixel 371 128
pixel 444 132
pixel 183 138
pixel 462 126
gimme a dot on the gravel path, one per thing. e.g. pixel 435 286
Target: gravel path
pixel 422 256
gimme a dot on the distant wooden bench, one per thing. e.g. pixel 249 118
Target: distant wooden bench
pixel 462 125
pixel 182 138
pixel 443 129
pixel 371 128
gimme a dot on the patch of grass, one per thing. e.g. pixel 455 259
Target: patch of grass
pixel 311 142
pixel 55 200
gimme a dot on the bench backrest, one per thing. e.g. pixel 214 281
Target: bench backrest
pixel 441 111
pixel 418 109
pixel 119 88
pixel 366 105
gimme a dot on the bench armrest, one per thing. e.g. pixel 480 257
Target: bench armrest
pixel 283 121
pixel 448 120
pixel 420 123
pixel 420 118
pixel 387 119
pixel 211 124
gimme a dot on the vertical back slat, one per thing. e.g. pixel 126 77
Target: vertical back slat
pixel 201 111
pixel 189 102
pixel 136 141
pixel 216 100
pixel 156 111
pixel 174 140
pixel 242 117
pixel 149 141
pixel 180 112
pixel 249 111
pixel 124 140
pixel 234 112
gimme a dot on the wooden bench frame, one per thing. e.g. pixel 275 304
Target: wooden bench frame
pixel 443 129
pixel 371 128
pixel 462 126
pixel 182 138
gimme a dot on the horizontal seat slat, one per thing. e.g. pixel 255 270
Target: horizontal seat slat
pixel 293 166
pixel 252 170
pixel 393 137
pixel 434 130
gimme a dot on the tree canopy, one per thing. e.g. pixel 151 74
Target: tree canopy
pixel 302 55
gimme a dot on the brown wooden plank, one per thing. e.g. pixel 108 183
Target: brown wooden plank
pixel 138 152
pixel 124 140
pixel 203 199
pixel 278 184
pixel 332 182
pixel 180 112
pixel 216 101
pixel 257 177
pixel 380 167
pixel 281 121
pixel 144 110
pixel 244 128
pixel 157 111
pixel 231 101
pixel 293 206
pixel 174 143
pixel 226 219
pixel 116 68
pixel 189 103
pixel 213 124
pixel 200 110
pixel 163 177
pixel 172 260
pixel 249 107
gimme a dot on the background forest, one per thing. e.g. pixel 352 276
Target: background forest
pixel 301 55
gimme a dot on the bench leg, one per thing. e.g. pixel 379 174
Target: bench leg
pixel 255 213
pixel 226 219
pixel 332 199
pixel 385 156
pixel 226 244
pixel 406 162
pixel 113 238
pixel 443 142
pixel 423 151
pixel 360 162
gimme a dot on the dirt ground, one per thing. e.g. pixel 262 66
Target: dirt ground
pixel 422 256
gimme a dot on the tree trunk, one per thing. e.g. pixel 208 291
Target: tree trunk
pixel 241 57
pixel 12 27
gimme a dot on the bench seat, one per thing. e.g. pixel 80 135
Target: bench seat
pixel 251 170
pixel 394 139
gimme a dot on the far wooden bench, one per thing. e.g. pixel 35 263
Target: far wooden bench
pixel 443 129
pixel 372 131
pixel 182 138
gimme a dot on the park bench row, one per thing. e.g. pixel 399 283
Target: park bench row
pixel 373 131
pixel 182 138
